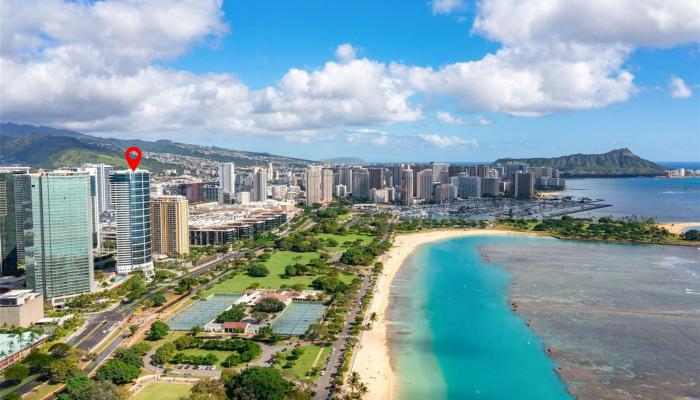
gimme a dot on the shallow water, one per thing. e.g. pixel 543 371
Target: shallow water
pixel 454 335
pixel 622 321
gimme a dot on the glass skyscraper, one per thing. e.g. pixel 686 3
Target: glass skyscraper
pixel 131 201
pixel 59 237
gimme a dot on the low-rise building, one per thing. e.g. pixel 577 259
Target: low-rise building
pixel 21 308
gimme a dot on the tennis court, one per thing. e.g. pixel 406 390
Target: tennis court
pixel 297 317
pixel 202 312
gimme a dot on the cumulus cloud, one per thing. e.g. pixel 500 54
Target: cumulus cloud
pixel 381 138
pixel 631 22
pixel 447 6
pixel 94 66
pixel 679 89
pixel 345 53
pixel 446 118
pixel 447 141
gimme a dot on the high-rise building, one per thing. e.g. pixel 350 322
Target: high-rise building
pixel 101 173
pixel 468 186
pixel 169 229
pixel 59 236
pixel 314 194
pixel 227 177
pixel 360 184
pixel 443 192
pixel 438 169
pixel 326 185
pixel 270 171
pixel 260 185
pixel 395 171
pixel 406 186
pixel 15 210
pixel 490 187
pixel 341 191
pixel 455 170
pixel 376 177
pixel 346 178
pixel 132 207
pixel 425 185
pixel 524 185
pixel 96 173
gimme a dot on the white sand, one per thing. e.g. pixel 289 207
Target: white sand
pixel 372 361
pixel 678 227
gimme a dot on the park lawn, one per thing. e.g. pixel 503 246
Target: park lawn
pixel 276 265
pixel 42 391
pixel 305 362
pixel 220 355
pixel 163 391
pixel 366 239
pixel 170 337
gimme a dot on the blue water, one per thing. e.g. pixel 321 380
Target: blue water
pixel 664 199
pixel 453 334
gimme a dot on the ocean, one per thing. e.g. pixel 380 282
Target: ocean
pixel 664 199
pixel 613 315
pixel 454 335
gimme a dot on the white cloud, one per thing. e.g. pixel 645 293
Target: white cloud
pixel 447 141
pixel 679 89
pixel 447 118
pixel 345 53
pixel 482 121
pixel 447 6
pixel 656 23
pixel 94 66
pixel 381 138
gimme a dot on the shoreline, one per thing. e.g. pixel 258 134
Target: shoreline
pixel 678 227
pixel 373 361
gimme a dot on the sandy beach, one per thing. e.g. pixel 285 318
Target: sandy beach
pixel 679 227
pixel 373 359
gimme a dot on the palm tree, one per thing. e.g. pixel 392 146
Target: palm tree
pixel 354 380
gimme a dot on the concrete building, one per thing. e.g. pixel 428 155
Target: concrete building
pixel 132 206
pixel 406 186
pixel 242 197
pixel 341 191
pixel 443 192
pixel 15 210
pixel 260 185
pixel 425 185
pixel 326 186
pixel 345 178
pixel 523 185
pixel 169 215
pixel 101 172
pixel 468 186
pixel 376 177
pixel 438 169
pixel 360 184
pixel 59 241
pixel 21 308
pixel 490 187
pixel 227 177
pixel 313 180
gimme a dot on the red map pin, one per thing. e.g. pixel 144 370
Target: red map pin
pixel 133 157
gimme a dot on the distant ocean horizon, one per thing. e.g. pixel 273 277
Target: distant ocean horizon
pixel 680 164
pixel 663 199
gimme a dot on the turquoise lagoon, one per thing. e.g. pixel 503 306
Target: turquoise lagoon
pixel 453 334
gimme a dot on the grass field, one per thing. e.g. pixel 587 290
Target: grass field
pixel 220 355
pixel 171 336
pixel 350 237
pixel 276 264
pixel 163 391
pixel 305 362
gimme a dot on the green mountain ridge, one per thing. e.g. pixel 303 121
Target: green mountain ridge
pixel 46 147
pixel 615 163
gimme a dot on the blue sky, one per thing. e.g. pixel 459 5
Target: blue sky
pixel 419 80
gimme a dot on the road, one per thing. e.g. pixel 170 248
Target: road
pixel 323 384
